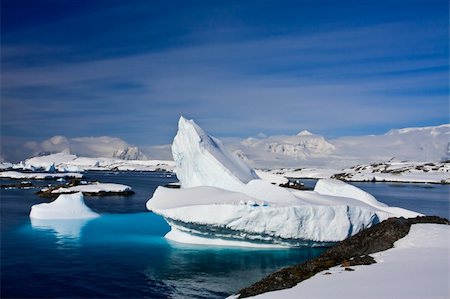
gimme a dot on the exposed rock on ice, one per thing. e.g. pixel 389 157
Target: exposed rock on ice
pixel 408 172
pixel 66 206
pixel 418 263
pixel 69 162
pixel 96 189
pixel 222 201
pixel 37 175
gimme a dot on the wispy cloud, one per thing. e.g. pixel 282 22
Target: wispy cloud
pixel 334 81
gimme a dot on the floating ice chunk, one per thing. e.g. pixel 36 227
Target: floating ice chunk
pixel 66 206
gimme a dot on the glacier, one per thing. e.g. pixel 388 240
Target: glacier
pixel 222 201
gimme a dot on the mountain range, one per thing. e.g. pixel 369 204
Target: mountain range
pixel 304 149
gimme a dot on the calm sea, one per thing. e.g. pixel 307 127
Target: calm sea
pixel 123 253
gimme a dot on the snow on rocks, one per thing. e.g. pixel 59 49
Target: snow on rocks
pixel 404 172
pixel 66 206
pixel 73 163
pixel 38 175
pixel 417 267
pixel 95 189
pixel 221 198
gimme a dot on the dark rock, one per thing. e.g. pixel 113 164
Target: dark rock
pixel 350 252
pixel 349 269
pixel 17 186
pixel 294 185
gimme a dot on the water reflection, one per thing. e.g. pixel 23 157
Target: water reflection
pixel 214 272
pixel 68 230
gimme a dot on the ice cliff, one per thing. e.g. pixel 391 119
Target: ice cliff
pixel 223 201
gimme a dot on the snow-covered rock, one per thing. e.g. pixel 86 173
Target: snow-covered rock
pixel 66 206
pixel 408 172
pixel 202 160
pixel 94 188
pixel 272 177
pixel 417 267
pixel 222 201
pixel 37 175
pixel 69 162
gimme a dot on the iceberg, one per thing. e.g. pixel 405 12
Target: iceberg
pixel 66 206
pixel 222 201
pixel 202 160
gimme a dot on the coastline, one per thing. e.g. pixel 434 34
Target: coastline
pixel 353 251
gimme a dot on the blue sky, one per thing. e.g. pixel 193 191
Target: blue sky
pixel 130 68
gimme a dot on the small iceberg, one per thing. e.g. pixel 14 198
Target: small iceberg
pixel 66 206
pixel 222 201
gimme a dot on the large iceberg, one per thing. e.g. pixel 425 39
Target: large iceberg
pixel 223 201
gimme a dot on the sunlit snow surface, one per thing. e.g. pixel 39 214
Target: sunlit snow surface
pixel 223 201
pixel 417 267
pixel 66 206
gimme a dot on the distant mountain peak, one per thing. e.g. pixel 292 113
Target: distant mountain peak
pixel 434 130
pixel 305 133
pixel 129 153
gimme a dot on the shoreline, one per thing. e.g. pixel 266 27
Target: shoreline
pixel 353 251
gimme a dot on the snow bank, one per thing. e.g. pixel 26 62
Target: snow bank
pixel 339 188
pixel 417 267
pixel 406 172
pixel 272 177
pixel 66 206
pixel 202 160
pixel 69 162
pixel 48 160
pixel 221 199
pixel 95 188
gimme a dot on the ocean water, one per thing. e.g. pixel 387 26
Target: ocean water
pixel 123 253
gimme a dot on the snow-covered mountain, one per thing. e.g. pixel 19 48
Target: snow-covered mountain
pixel 304 145
pixel 104 146
pixel 307 149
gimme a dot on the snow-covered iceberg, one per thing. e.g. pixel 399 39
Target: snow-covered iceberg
pixel 202 160
pixel 66 206
pixel 223 201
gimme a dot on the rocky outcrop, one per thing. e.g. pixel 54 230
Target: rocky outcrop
pixel 350 252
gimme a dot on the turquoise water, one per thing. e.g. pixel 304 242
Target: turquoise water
pixel 123 253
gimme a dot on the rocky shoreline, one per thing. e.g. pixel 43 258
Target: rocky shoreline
pixel 353 251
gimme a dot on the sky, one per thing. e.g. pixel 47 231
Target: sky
pixel 129 69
